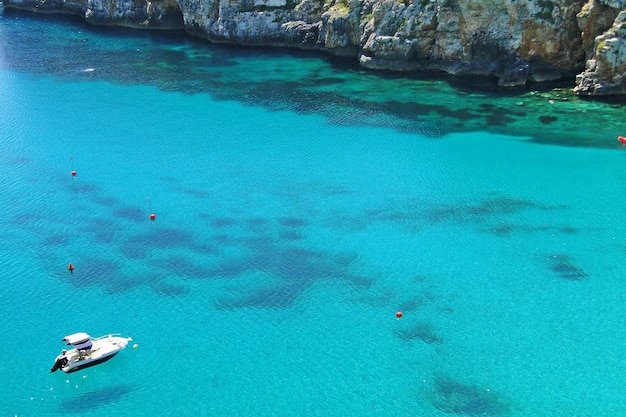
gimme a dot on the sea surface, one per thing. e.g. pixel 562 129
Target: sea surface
pixel 300 203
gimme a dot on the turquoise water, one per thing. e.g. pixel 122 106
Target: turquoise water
pixel 300 203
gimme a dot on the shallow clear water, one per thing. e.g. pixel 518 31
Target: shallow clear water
pixel 300 203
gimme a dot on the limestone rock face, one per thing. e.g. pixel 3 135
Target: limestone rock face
pixel 156 14
pixel 516 41
pixel 605 71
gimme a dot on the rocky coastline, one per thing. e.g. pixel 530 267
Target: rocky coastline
pixel 516 41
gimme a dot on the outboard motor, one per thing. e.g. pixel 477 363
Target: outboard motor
pixel 59 363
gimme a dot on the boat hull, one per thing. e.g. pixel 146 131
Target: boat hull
pixel 102 349
pixel 87 364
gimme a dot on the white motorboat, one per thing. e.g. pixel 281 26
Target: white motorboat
pixel 86 352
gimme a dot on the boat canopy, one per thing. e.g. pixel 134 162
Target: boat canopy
pixel 76 338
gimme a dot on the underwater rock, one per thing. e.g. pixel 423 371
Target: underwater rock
pixel 546 120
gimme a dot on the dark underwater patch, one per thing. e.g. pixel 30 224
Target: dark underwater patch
pixel 399 216
pixel 56 239
pixel 102 230
pixel 94 272
pixel 497 116
pixel 345 259
pixel 105 201
pixel 486 108
pixel 222 222
pixel 138 246
pixel 179 265
pixel 93 400
pixel 346 223
pixel 80 188
pixel 292 222
pixel 414 303
pixel 280 297
pixel 546 120
pixel 455 397
pixel 133 251
pixel 130 213
pixel 419 331
pixel 562 267
pixel 197 193
pixel 257 224
pixel 485 208
pixel 410 305
pixel 334 190
pixel 168 290
pixel 290 271
pixel 499 119
pixel 508 229
pixel 357 280
pixel 504 230
pixel 222 238
pixel 257 221
pixel 22 220
pixel 123 283
pixel 329 81
pixel 500 205
pixel 290 235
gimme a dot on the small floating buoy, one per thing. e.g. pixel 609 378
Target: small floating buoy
pixel 152 217
pixel 135 346
pixel 399 315
pixel 73 173
pixel 621 139
pixel 70 268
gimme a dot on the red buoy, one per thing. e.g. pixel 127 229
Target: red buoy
pixel 70 267
pixel 399 314
pixel 152 217
pixel 73 173
pixel 621 139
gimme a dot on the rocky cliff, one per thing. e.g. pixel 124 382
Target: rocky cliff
pixel 516 41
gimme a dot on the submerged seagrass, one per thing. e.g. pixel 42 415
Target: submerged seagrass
pixel 515 41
